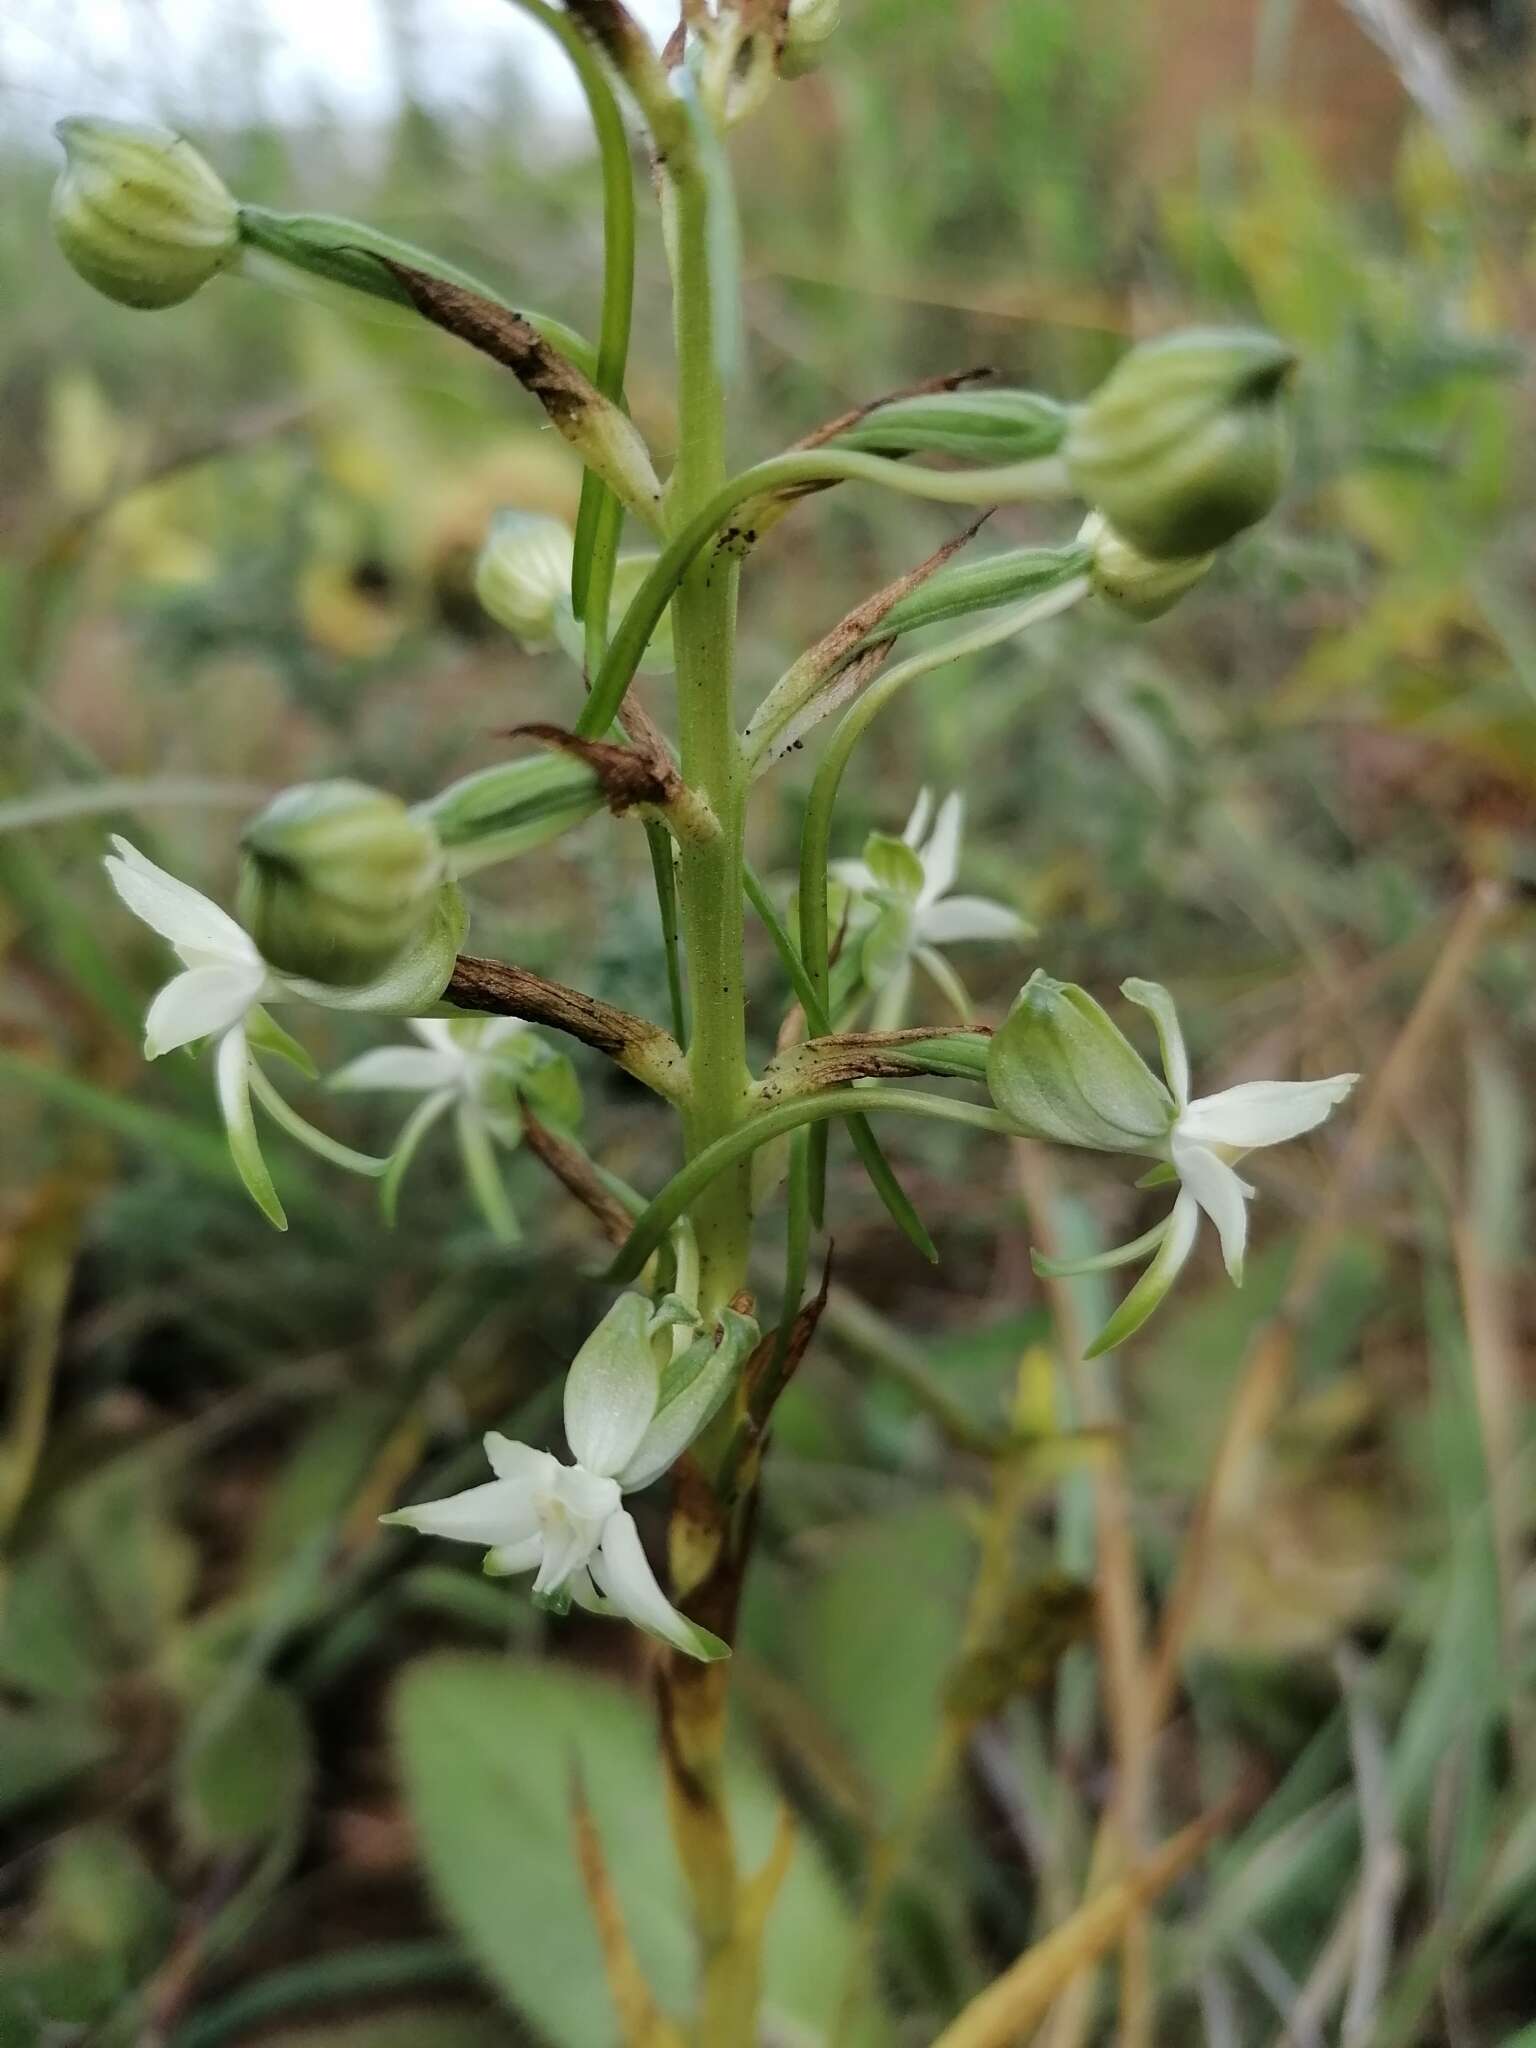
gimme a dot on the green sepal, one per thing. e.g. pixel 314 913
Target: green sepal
pixel 416 980
pixel 266 1035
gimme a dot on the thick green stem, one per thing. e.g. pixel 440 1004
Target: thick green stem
pixel 708 1545
pixel 710 877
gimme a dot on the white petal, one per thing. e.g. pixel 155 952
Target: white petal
pixel 891 1002
pixel 175 910
pixel 501 1512
pixel 232 1079
pixel 623 1572
pixel 572 1517
pixel 499 1029
pixel 612 1388
pixel 916 828
pixel 854 875
pixel 398 1066
pixel 199 1003
pixel 1152 997
pixel 1220 1193
pixel 959 918
pixel 520 1463
pixel 1264 1112
pixel 436 1032
pixel 503 1559
pixel 941 849
pixel 946 981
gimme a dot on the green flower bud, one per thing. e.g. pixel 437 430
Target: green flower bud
pixel 339 880
pixel 1133 582
pixel 989 425
pixel 811 24
pixel 500 812
pixel 523 572
pixel 139 213
pixel 1187 441
pixel 1060 1069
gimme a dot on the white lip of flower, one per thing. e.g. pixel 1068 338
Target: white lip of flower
pixel 567 1523
pixel 1206 1136
pixel 455 1067
pixel 219 994
pixel 918 914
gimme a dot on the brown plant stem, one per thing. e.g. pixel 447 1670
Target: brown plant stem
pixel 500 989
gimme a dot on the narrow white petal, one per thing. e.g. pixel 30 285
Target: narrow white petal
pixel 232 1079
pixel 1221 1194
pixel 892 999
pixel 959 918
pixel 197 1004
pixel 520 1463
pixel 174 909
pixel 565 1549
pixel 498 1030
pixel 612 1388
pixel 915 831
pixel 498 1513
pixel 623 1572
pixel 436 1032
pixel 1152 997
pixel 946 981
pixel 1264 1112
pixel 941 849
pixel 405 1067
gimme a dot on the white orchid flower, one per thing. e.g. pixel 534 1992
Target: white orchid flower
pixel 627 1420
pixel 1206 1137
pixel 908 881
pixel 219 994
pixel 478 1067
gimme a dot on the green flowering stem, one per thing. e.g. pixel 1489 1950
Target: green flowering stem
pixel 795 472
pixel 816 835
pixel 707 1553
pixel 735 1147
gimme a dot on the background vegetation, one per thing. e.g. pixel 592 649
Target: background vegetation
pixel 270 1774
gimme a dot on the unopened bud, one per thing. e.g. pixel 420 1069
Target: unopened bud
pixel 139 213
pixel 810 26
pixel 523 572
pixel 988 425
pixel 1132 582
pixel 1187 441
pixel 1060 1069
pixel 339 880
pixel 500 812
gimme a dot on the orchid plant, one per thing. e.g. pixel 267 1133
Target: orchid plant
pixel 351 899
